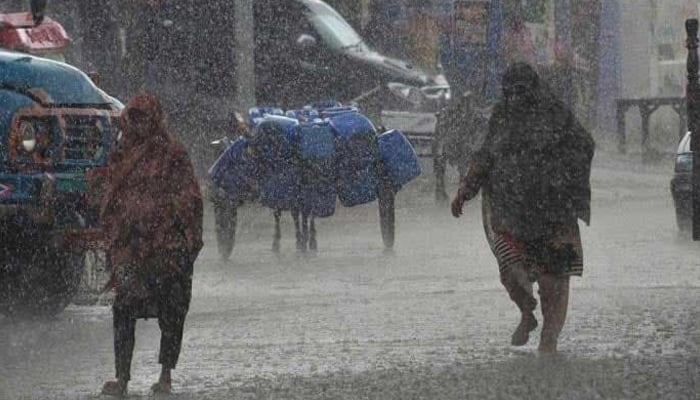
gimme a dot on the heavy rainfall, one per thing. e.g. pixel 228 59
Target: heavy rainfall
pixel 344 199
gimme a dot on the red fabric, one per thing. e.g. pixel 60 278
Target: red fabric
pixel 150 201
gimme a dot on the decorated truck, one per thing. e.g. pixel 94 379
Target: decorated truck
pixel 55 125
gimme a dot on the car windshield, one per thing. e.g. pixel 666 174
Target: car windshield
pixel 333 28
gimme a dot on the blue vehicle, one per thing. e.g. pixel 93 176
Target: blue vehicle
pixel 55 125
pixel 308 160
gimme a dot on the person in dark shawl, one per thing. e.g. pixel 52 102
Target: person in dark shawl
pixel 534 173
pixel 151 211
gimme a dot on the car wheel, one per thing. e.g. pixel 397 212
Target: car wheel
pixel 44 284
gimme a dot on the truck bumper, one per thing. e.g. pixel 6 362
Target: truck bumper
pixel 54 207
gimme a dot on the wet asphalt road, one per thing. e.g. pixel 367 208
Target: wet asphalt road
pixel 429 321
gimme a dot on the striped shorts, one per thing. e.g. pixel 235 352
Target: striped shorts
pixel 559 253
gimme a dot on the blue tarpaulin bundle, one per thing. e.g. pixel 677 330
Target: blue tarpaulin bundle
pixel 310 157
pixel 317 156
pixel 399 158
pixel 357 157
pixel 234 170
pixel 274 145
pixel 257 114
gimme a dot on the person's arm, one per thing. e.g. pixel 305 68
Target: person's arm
pixel 476 176
pixel 477 173
pixel 580 148
pixel 187 200
pixel 472 182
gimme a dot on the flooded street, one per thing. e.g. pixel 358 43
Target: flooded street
pixel 113 113
pixel 429 321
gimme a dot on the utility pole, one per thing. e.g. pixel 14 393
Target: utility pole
pixel 562 28
pixel 245 54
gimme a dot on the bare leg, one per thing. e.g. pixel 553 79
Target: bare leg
pixel 313 245
pixel 305 230
pixel 440 168
pixel 298 228
pixel 554 296
pixel 165 382
pixel 124 338
pixel 514 278
pixel 174 302
pixel 171 324
pixel 278 232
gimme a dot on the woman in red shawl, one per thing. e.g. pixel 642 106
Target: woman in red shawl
pixel 151 210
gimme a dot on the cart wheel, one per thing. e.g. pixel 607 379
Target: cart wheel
pixel 386 214
pixel 225 214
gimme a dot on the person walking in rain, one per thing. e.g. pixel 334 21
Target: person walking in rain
pixel 151 210
pixel 534 173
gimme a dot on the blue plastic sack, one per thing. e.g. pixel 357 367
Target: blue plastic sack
pixel 337 111
pixel 317 156
pixel 258 114
pixel 324 105
pixel 234 171
pixel 279 189
pixel 274 139
pixel 303 115
pixel 399 157
pixel 316 141
pixel 356 159
pixel 274 145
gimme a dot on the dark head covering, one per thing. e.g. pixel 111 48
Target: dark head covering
pixel 521 73
pixel 521 86
pixel 143 118
pixel 535 161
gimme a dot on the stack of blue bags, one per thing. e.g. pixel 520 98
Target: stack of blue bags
pixel 304 159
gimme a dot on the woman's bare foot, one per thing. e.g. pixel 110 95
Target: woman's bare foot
pixel 162 387
pixel 548 346
pixel 164 384
pixel 527 324
pixel 115 388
